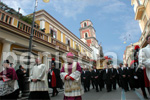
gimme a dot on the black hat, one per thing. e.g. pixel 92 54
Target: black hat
pixel 6 61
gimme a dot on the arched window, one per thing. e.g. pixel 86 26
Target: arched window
pixel 85 25
pixel 86 35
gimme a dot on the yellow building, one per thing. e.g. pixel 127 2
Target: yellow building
pixel 142 14
pixel 55 41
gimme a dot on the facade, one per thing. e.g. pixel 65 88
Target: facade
pixel 54 41
pixel 88 36
pixel 142 15
pixel 129 53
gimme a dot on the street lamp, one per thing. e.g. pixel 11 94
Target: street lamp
pixel 30 46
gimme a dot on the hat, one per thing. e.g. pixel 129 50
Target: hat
pixel 70 54
pixel 6 61
pixel 53 59
pixel 136 47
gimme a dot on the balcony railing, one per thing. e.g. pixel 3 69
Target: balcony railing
pixel 22 26
pixel 59 44
pixel 75 52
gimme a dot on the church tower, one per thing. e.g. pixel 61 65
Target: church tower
pixel 88 36
pixel 87 33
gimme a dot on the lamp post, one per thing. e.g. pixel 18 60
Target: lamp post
pixel 31 35
pixel 30 48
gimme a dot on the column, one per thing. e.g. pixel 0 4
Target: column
pixel 42 24
pixel 45 59
pixel 6 48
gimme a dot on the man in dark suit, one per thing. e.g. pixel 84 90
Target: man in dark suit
pixel 107 77
pixel 114 74
pixel 95 74
pixel 123 77
pixel 92 79
pixel 21 77
pixel 130 77
pixel 85 77
pixel 118 77
pixel 100 78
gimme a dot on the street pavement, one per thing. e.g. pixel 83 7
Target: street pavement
pixel 118 94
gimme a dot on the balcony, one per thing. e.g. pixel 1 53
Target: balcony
pixel 139 12
pixel 75 52
pixel 24 29
pixel 58 44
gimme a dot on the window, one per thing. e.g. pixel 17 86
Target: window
pixel 53 33
pixel 67 41
pixel 2 17
pixel 86 35
pixel 6 19
pixel 77 47
pixel 85 25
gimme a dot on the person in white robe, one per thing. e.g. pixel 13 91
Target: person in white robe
pixel 38 82
pixel 144 57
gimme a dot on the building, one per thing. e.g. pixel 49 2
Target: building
pixel 142 15
pixel 51 39
pixel 129 53
pixel 88 36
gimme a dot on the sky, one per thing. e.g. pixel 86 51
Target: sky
pixel 113 20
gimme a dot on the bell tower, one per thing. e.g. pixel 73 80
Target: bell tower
pixel 87 33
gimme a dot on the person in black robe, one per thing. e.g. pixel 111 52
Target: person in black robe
pixel 114 74
pixel 95 74
pixel 54 80
pixel 21 77
pixel 123 77
pixel 107 77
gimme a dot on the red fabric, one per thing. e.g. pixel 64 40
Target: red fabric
pixel 10 73
pixel 147 82
pixel 136 47
pixel 66 76
pixel 71 78
pixel 53 80
pixel 133 61
pixel 73 98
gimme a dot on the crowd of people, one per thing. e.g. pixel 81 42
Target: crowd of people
pixel 123 76
pixel 74 77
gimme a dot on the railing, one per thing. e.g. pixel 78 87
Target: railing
pixel 59 44
pixel 75 52
pixel 23 26
pixel 26 29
